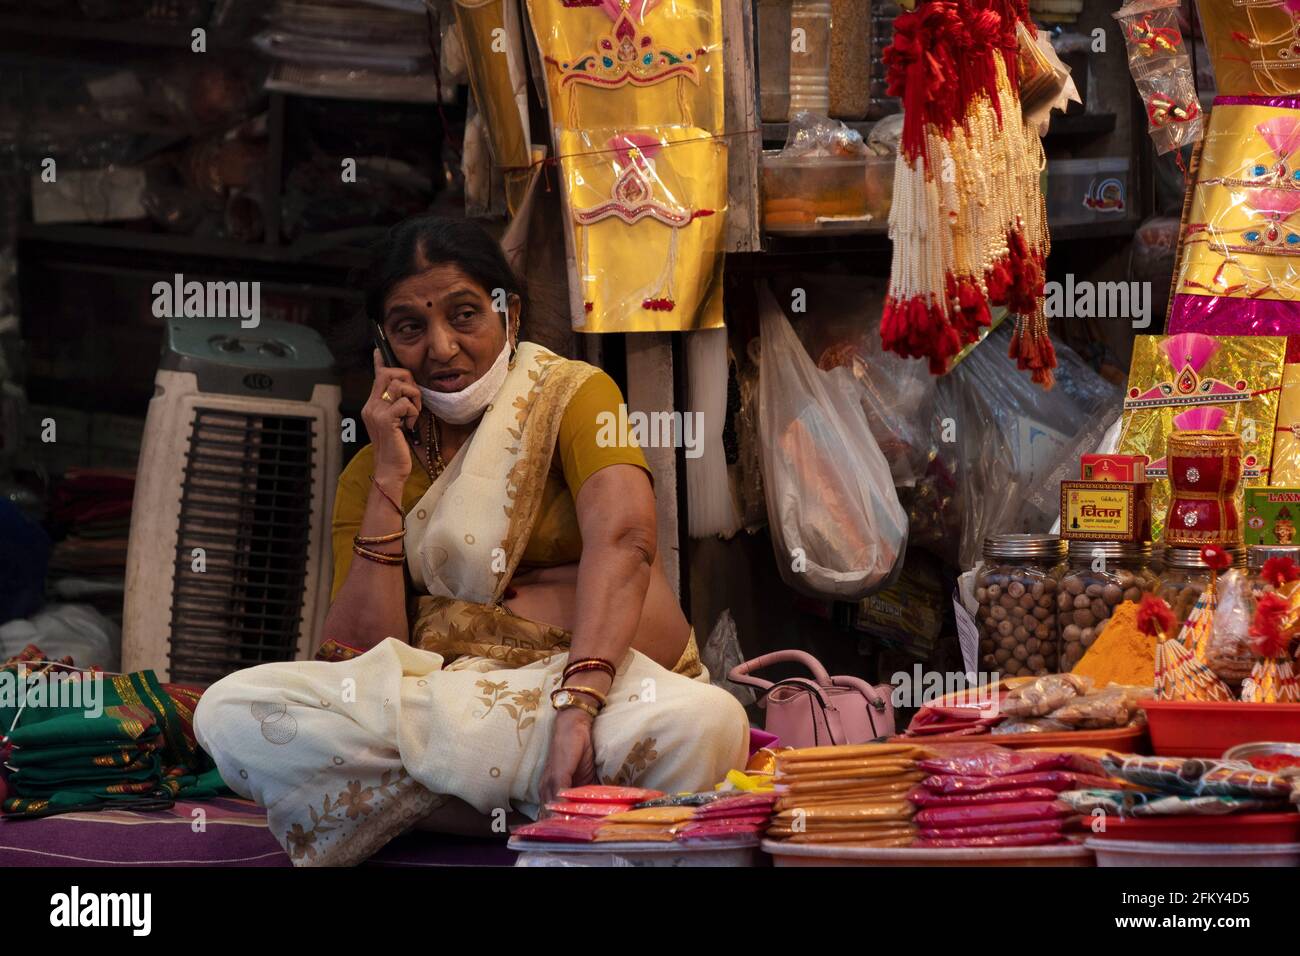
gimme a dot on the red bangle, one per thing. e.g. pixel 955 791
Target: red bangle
pixel 589 664
pixel 389 499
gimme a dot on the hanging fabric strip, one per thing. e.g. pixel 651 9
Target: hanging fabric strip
pixel 636 101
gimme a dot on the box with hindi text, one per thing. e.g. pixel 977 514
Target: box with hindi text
pixel 1106 511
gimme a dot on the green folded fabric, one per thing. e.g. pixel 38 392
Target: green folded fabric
pixel 135 752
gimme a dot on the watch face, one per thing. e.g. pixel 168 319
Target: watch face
pixel 563 698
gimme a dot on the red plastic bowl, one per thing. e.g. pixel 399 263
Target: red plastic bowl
pixel 1226 828
pixel 1188 728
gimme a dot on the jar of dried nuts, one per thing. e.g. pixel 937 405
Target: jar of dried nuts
pixel 1185 577
pixel 1016 589
pixel 1257 554
pixel 1102 574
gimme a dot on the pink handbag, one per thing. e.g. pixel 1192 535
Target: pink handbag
pixel 825 710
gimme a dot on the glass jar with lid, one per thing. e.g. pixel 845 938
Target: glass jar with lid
pixel 1016 587
pixel 1257 554
pixel 1185 577
pixel 1101 576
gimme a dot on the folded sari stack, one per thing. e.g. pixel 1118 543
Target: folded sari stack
pixel 688 817
pixel 578 812
pixel 90 741
pixel 991 796
pixel 848 796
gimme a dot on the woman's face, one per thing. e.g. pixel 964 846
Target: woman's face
pixel 444 329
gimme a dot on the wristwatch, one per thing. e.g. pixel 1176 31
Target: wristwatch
pixel 564 699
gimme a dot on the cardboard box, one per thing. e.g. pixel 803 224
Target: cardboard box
pixel 1272 515
pixel 1113 467
pixel 1106 510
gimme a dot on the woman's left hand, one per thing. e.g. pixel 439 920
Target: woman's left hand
pixel 571 761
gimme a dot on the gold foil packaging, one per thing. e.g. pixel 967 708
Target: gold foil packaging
pixel 1194 381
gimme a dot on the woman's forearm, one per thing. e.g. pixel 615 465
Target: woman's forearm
pixel 371 604
pixel 613 578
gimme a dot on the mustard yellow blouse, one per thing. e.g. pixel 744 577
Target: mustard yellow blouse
pixel 556 538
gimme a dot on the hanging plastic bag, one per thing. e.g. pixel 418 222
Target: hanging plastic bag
pixel 1014 442
pixel 836 524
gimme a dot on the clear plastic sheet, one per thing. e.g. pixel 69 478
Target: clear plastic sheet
pixel 1228 652
pixel 1162 70
pixel 1002 763
pixel 1014 442
pixel 1047 780
pixel 1251 44
pixel 1286 441
pixel 924 798
pixel 1023 812
pixel 1240 271
pixel 837 527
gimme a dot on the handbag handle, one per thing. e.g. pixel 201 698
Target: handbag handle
pixel 740 674
pixel 862 687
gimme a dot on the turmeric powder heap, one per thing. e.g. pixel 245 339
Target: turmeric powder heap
pixel 1121 654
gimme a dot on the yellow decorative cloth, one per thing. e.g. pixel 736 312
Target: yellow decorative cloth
pixel 636 98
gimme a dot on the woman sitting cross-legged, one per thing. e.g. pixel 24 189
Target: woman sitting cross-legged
pixel 510 629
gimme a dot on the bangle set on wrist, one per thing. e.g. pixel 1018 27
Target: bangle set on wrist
pixel 565 697
pixel 361 543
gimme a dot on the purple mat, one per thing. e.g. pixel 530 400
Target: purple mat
pixel 234 834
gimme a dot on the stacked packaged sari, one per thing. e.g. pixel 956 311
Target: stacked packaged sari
pixel 122 743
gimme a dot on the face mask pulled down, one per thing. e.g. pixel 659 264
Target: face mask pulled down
pixel 463 407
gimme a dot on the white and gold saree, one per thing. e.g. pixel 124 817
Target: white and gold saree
pixel 346 754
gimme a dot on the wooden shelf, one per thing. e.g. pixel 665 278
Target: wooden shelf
pixel 1081 124
pixel 1068 232
pixel 126 32
pixel 117 238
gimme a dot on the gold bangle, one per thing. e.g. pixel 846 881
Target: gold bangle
pixel 379 538
pixel 378 556
pixel 572 702
pixel 589 691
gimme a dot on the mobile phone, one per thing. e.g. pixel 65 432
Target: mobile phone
pixel 385 350
pixel 390 361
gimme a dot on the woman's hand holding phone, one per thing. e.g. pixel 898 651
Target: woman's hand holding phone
pixel 386 417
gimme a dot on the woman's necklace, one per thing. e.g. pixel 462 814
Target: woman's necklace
pixel 431 458
pixel 436 465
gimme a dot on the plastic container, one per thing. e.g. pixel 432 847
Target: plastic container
pixel 773 30
pixel 742 851
pixel 880 189
pixel 1184 578
pixel 1257 554
pixel 1088 597
pixel 850 64
pixel 1145 853
pixel 1186 728
pixel 805 854
pixel 1087 190
pixel 810 56
pixel 1261 748
pixel 799 191
pixel 1016 590
pixel 1233 828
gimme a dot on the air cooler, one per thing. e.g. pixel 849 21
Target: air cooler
pixel 229 559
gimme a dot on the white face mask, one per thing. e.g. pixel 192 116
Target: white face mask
pixel 461 408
